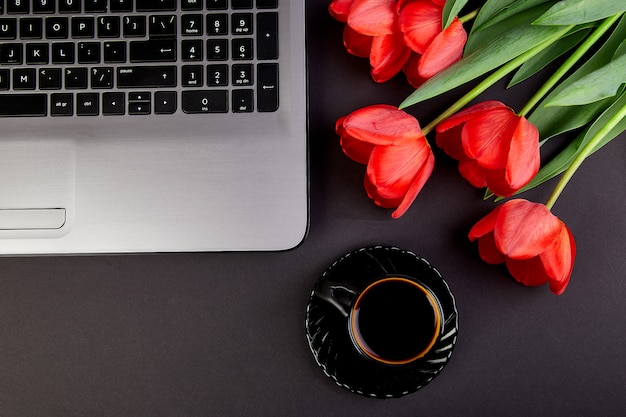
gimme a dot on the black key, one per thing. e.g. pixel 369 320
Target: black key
pixel 165 102
pixel 241 4
pixel 113 104
pixel 132 77
pixel 102 77
pixel 121 5
pixel 69 6
pixel 43 6
pixel 267 35
pixel 109 27
pixel 192 50
pixel 56 27
pixel 8 28
pixel 134 26
pixel 63 53
pixel 88 52
pixel 24 79
pixel 1 7
pixel 217 49
pixel 75 78
pixel 191 4
pixel 31 28
pixel 23 105
pixel 217 75
pixel 156 5
pixel 11 53
pixel 267 87
pixel 83 27
pixel 161 50
pixel 208 101
pixel 192 75
pixel 241 23
pixel 87 104
pixel 4 79
pixel 50 79
pixel 191 24
pixel 217 24
pixel 242 49
pixel 243 101
pixel 243 74
pixel 163 26
pixel 37 53
pixel 139 103
pixel 216 4
pixel 61 104
pixel 115 52
pixel 266 4
pixel 95 6
pixel 18 6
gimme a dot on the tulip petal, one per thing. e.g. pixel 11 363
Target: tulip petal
pixel 388 56
pixel 381 124
pixel 410 69
pixel 420 21
pixel 473 173
pixel 418 183
pixel 444 50
pixel 524 159
pixel 355 43
pixel 497 182
pixel 379 200
pixel 485 225
pixel 356 150
pixel 469 113
pixel 373 17
pixel 339 9
pixel 558 260
pixel 393 168
pixel 529 272
pixel 489 251
pixel 486 137
pixel 524 230
pixel 450 141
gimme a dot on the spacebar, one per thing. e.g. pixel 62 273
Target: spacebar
pixel 23 105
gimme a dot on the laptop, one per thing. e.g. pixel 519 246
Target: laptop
pixel 130 126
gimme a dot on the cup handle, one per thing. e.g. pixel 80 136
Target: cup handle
pixel 339 294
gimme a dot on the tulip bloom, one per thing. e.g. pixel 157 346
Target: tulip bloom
pixel 495 147
pixel 536 246
pixel 391 143
pixel 403 35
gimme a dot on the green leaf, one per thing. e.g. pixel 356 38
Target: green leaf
pixel 521 13
pixel 490 56
pixel 494 11
pixel 450 10
pixel 573 12
pixel 548 55
pixel 565 158
pixel 600 84
pixel 552 121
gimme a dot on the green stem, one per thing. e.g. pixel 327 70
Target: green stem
pixel 587 150
pixel 471 15
pixel 494 78
pixel 571 61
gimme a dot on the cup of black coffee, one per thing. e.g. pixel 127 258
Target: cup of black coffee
pixel 393 320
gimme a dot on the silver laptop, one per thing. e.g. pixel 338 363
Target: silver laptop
pixel 152 126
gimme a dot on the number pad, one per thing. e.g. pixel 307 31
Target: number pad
pixel 217 24
pixel 217 49
pixel 217 75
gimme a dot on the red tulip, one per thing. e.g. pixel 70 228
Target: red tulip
pixel 495 147
pixel 403 35
pixel 391 143
pixel 536 246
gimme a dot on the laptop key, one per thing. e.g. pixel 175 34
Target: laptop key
pixel 146 76
pixel 160 50
pixel 205 101
pixel 87 104
pixel 267 87
pixel 113 103
pixel 267 35
pixel 165 102
pixel 23 105
pixel 61 104
pixel 156 5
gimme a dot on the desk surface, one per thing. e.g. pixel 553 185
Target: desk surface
pixel 222 334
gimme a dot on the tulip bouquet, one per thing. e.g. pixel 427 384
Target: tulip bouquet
pixel 497 147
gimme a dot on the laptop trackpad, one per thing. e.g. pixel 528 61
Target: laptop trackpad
pixel 36 183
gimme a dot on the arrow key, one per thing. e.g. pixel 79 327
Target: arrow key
pixel 165 102
pixel 113 104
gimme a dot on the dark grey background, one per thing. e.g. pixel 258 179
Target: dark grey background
pixel 222 334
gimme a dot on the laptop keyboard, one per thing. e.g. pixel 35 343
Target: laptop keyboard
pixel 137 57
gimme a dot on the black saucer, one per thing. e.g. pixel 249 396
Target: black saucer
pixel 329 338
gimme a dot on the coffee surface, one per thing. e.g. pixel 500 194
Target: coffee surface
pixel 394 321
